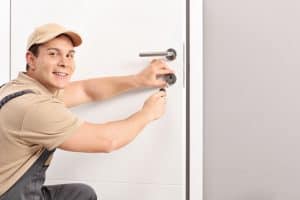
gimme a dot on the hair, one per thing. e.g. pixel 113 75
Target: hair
pixel 34 49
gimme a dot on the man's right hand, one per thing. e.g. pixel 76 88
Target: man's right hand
pixel 154 106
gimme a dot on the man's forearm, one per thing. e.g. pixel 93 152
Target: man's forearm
pixel 106 87
pixel 106 137
pixel 124 131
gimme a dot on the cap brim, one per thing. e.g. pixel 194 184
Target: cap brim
pixel 76 39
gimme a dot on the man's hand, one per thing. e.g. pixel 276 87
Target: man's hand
pixel 149 76
pixel 154 106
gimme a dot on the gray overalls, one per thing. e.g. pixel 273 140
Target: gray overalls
pixel 30 185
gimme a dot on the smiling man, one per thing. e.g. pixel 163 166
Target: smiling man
pixel 35 120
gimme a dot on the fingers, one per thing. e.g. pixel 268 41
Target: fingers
pixel 153 61
pixel 155 72
pixel 161 66
pixel 161 83
pixel 165 71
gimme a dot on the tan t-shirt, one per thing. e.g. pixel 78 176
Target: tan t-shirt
pixel 30 124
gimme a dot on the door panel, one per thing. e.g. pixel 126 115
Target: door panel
pixel 4 41
pixel 114 33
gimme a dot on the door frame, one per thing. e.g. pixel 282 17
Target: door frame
pixel 187 64
pixel 195 103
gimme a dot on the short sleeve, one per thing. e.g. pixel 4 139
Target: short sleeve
pixel 48 123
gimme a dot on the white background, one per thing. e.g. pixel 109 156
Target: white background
pixel 4 41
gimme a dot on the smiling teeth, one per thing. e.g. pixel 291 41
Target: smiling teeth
pixel 60 73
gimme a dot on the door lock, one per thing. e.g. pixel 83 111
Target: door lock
pixel 169 78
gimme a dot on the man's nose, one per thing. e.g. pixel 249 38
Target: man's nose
pixel 63 61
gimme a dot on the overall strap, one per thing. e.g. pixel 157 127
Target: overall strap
pixel 13 95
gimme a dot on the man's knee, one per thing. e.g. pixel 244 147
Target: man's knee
pixel 87 191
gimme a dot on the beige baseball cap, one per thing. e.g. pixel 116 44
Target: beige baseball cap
pixel 48 32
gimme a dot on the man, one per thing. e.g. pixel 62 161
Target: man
pixel 34 119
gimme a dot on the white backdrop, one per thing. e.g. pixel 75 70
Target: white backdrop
pixel 4 41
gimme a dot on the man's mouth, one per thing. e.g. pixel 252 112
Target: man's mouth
pixel 60 74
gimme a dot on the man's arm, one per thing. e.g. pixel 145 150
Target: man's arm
pixel 96 89
pixel 114 135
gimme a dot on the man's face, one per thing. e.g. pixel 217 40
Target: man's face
pixel 54 65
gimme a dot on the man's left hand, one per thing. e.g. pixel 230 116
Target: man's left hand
pixel 149 77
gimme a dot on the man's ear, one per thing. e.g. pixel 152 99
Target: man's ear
pixel 30 59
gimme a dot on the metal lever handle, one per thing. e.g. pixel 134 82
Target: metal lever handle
pixel 170 54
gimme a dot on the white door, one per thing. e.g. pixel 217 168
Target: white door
pixel 114 33
pixel 4 41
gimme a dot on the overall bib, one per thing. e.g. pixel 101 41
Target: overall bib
pixel 30 185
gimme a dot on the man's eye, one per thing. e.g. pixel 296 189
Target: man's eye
pixel 52 53
pixel 71 55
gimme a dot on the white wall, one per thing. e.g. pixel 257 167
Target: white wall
pixel 252 101
pixel 4 41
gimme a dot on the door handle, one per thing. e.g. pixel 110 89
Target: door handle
pixel 170 54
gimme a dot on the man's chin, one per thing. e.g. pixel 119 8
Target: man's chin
pixel 60 86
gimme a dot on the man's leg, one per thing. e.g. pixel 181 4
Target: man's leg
pixel 76 191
